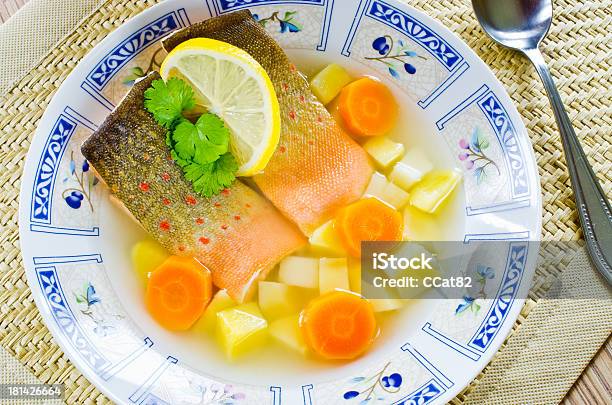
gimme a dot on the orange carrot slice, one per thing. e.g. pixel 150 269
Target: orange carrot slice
pixel 368 220
pixel 339 325
pixel 368 108
pixel 178 292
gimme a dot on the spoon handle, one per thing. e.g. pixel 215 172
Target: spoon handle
pixel 593 205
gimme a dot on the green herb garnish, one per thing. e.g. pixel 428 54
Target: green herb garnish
pixel 167 101
pixel 200 149
pixel 203 142
pixel 211 178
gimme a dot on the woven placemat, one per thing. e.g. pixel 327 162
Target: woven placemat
pixel 53 21
pixel 581 42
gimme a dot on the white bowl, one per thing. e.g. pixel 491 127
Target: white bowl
pixel 77 258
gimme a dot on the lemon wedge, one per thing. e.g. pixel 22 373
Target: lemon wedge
pixel 228 82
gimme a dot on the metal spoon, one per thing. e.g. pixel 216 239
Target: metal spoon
pixel 522 25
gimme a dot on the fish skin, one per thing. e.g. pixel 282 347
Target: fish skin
pixel 237 234
pixel 317 169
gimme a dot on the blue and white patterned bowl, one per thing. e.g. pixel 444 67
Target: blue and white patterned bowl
pixel 76 245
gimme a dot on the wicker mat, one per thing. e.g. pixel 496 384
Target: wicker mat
pixel 552 341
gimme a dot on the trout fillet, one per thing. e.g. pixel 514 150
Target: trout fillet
pixel 238 235
pixel 317 169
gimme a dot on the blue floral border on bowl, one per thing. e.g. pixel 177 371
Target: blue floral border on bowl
pixel 60 310
pixel 518 252
pixel 515 267
pixel 218 7
pixel 46 174
pixel 506 134
pixel 113 61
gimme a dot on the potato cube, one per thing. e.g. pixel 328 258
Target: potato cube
pixel 387 192
pixel 147 256
pixel 329 82
pixel 287 331
pixel 326 238
pixel 384 151
pixel 405 176
pixel 333 274
pixel 396 197
pixel 411 169
pixel 434 189
pixel 299 271
pixel 377 186
pixel 277 300
pixel 241 330
pixel 221 301
pixel 354 268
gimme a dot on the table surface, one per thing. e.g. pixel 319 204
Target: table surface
pixel 593 386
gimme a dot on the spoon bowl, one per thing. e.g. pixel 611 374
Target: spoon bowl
pixel 515 24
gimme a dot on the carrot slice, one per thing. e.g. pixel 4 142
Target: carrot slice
pixel 368 108
pixel 178 292
pixel 339 325
pixel 368 220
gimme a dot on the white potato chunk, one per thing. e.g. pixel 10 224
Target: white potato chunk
pixel 354 268
pixel 299 271
pixel 434 189
pixel 278 300
pixel 241 330
pixel 411 169
pixel 387 192
pixel 384 151
pixel 326 238
pixel 220 302
pixel 329 82
pixel 333 274
pixel 287 331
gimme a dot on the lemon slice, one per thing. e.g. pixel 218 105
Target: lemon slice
pixel 228 82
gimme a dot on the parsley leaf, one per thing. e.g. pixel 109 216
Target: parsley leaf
pixel 167 101
pixel 203 142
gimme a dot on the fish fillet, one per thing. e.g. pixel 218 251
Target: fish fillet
pixel 317 169
pixel 238 235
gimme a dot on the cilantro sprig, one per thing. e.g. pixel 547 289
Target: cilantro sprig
pixel 201 149
pixel 204 142
pixel 211 178
pixel 167 101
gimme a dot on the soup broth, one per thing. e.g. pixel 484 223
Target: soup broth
pixel 281 365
